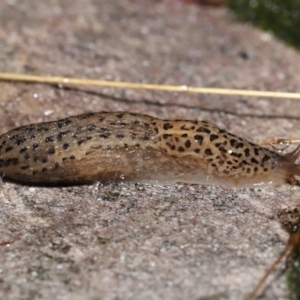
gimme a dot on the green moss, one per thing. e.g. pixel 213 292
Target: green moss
pixel 171 200
pixel 103 240
pixel 293 273
pixel 282 17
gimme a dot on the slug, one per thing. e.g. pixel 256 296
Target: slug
pixel 123 146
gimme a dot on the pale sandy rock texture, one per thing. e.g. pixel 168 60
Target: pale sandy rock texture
pixel 142 242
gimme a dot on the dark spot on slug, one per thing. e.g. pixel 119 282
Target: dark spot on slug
pixel 235 154
pixel 35 146
pixel 49 139
pixel 213 137
pixel 187 144
pixel 265 158
pixel 208 151
pixel 29 128
pixel 91 127
pixel 13 137
pixel 42 128
pixel 63 123
pixel 8 149
pixel 199 138
pixel 254 161
pixel 183 127
pixel 167 126
pixel 223 150
pixel 247 152
pixel 165 136
pixel 62 134
pixel 51 151
pixel 85 116
pixel 239 145
pixel 203 129
pixel 12 161
pixel 23 150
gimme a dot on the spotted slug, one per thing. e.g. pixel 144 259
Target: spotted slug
pixel 123 146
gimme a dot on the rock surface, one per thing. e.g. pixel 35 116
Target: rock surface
pixel 142 242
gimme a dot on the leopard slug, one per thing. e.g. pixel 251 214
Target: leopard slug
pixel 123 146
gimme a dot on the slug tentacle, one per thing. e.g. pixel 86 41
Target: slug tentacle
pixel 123 146
pixel 292 156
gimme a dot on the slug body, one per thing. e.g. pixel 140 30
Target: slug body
pixel 122 146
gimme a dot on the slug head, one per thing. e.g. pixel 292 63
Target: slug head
pixel 288 164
